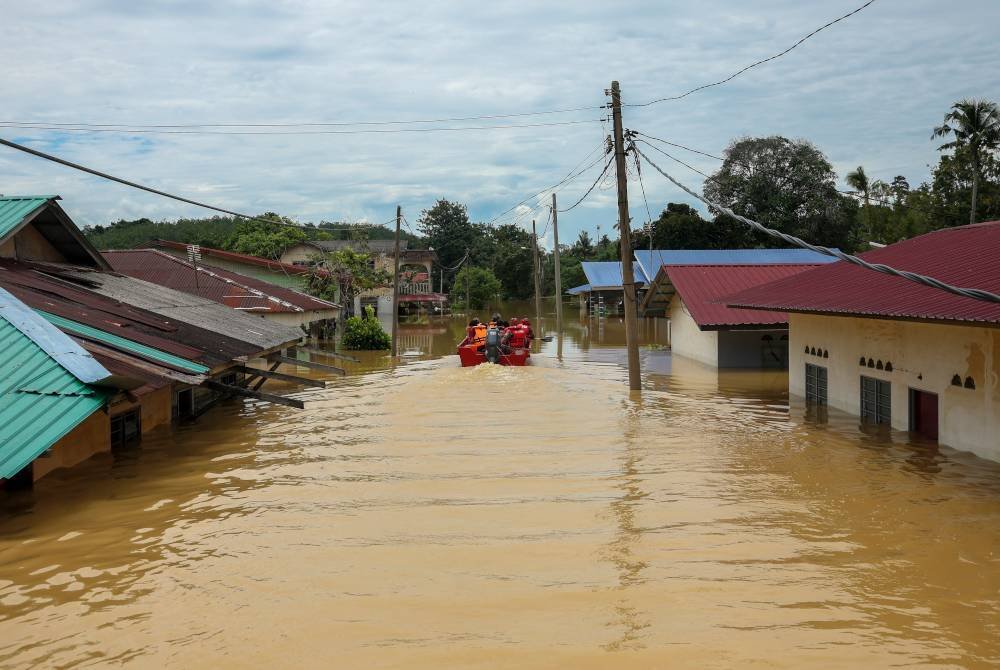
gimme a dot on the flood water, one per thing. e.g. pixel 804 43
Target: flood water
pixel 421 515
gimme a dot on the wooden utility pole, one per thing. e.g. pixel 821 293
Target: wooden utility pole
pixel 625 234
pixel 468 281
pixel 538 288
pixel 395 286
pixel 558 277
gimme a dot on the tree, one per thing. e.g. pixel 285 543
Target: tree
pixel 680 226
pixel 583 248
pixel 511 260
pixel 345 273
pixel 267 240
pixel 365 333
pixel 448 231
pixel 787 185
pixel 975 125
pixel 483 286
pixel 858 180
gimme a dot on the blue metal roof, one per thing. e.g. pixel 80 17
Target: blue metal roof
pixel 40 399
pixel 608 274
pixel 14 209
pixel 577 290
pixel 651 261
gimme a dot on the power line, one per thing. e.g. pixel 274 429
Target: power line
pixel 753 65
pixel 974 293
pixel 310 124
pixel 362 131
pixel 592 187
pixel 104 175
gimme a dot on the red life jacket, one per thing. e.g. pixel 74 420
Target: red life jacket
pixel 518 336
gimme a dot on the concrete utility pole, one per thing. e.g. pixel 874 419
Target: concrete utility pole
pixel 625 233
pixel 468 281
pixel 558 277
pixel 395 287
pixel 535 263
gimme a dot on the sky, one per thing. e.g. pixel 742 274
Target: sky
pixel 866 91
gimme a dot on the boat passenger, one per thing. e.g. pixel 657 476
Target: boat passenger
pixel 470 333
pixel 530 334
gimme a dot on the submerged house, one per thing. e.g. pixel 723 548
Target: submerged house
pixel 240 292
pixel 688 287
pixel 152 355
pixel 604 293
pixel 894 352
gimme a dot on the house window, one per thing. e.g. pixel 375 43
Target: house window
pixel 815 384
pixel 126 428
pixel 876 400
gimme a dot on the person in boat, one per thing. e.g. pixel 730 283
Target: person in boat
pixel 518 334
pixel 508 332
pixel 529 333
pixel 470 333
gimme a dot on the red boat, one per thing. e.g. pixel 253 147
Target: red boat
pixel 500 345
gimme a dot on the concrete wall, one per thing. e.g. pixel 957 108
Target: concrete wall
pixel 257 272
pixel 304 319
pixel 924 356
pixel 686 339
pixel 300 253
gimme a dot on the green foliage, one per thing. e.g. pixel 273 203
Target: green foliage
pixel 209 232
pixel 365 333
pixel 448 231
pixel 680 226
pixel 511 260
pixel 483 286
pixel 267 240
pixel 787 185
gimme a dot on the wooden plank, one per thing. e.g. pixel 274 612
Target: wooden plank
pixel 271 374
pixel 247 393
pixel 309 364
pixel 331 354
pixel 260 382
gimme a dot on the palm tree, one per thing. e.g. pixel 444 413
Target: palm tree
pixel 975 124
pixel 858 180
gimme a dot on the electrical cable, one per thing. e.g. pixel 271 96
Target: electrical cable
pixel 311 124
pixel 362 131
pixel 976 294
pixel 752 65
pixel 592 186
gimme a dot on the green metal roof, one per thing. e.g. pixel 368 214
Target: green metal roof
pixel 91 333
pixel 14 209
pixel 40 401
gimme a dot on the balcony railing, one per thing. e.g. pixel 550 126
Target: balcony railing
pixel 413 288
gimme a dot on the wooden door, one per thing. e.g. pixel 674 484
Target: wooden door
pixel 924 413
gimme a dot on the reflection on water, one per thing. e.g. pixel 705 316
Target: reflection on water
pixel 419 514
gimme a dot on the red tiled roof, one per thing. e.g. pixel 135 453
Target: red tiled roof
pixel 703 287
pixel 223 286
pixel 275 266
pixel 967 256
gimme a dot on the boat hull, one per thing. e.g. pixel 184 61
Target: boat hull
pixel 472 355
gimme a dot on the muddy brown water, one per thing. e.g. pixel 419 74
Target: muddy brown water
pixel 421 515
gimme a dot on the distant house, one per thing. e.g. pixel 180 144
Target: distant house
pixel 240 292
pixel 704 329
pixel 264 269
pixel 603 293
pixel 894 352
pixel 416 286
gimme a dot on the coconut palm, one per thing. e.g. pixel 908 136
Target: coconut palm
pixel 858 180
pixel 975 124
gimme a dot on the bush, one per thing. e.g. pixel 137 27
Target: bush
pixel 365 333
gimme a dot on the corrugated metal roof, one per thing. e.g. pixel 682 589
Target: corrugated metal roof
pixel 577 290
pixel 703 287
pixel 216 284
pixel 652 261
pixel 235 257
pixel 14 209
pixel 40 401
pixel 967 256
pixel 608 274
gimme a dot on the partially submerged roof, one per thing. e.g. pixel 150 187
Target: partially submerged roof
pixel 703 289
pixel 967 256
pixel 44 389
pixel 651 261
pixel 44 214
pixel 232 289
pixel 607 275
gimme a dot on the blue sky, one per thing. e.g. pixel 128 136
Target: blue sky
pixel 866 92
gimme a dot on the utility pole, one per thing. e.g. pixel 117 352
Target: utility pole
pixel 538 288
pixel 395 287
pixel 625 233
pixel 468 281
pixel 558 277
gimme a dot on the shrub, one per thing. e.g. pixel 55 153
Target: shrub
pixel 365 333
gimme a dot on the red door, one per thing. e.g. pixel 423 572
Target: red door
pixel 924 419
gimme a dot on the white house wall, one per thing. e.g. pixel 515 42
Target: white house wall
pixel 686 339
pixel 924 356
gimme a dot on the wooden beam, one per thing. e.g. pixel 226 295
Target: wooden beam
pixel 247 393
pixel 271 374
pixel 331 354
pixel 260 382
pixel 309 364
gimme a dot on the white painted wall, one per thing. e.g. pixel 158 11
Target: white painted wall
pixel 924 356
pixel 686 339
